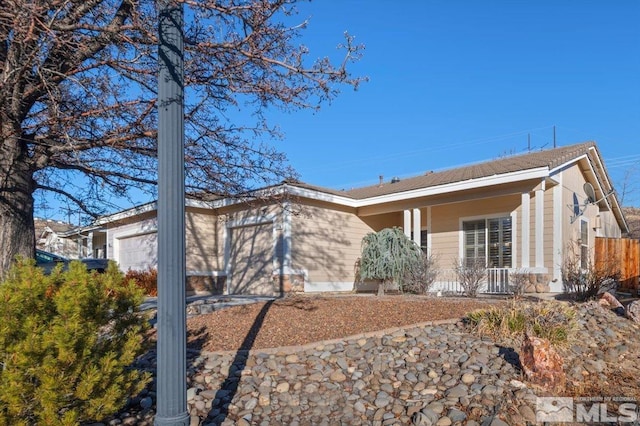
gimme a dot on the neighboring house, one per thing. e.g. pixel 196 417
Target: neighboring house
pixel 72 242
pixel 50 236
pixel 517 213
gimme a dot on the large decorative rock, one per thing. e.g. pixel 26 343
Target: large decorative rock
pixel 609 301
pixel 541 363
pixel 633 311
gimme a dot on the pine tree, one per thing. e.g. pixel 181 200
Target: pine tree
pixel 67 341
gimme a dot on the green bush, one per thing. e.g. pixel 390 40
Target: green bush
pixel 386 256
pixel 67 341
pixel 146 280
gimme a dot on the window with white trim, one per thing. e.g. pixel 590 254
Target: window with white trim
pixel 490 241
pixel 584 244
pixel 424 234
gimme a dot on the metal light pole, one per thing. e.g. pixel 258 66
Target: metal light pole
pixel 171 380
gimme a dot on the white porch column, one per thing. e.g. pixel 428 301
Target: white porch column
pixel 539 226
pixel 417 222
pixel 526 212
pixel 286 238
pixel 407 223
pixel 90 245
pixel 429 230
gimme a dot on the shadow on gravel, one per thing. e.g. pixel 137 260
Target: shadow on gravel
pixel 229 387
pixel 511 356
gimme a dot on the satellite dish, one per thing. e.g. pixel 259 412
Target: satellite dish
pixel 591 193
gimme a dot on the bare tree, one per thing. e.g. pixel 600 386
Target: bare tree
pixel 471 274
pixel 78 105
pixel 584 278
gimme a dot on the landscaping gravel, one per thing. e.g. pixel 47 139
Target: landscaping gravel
pixel 431 374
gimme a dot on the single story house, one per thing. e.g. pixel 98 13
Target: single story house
pixel 518 213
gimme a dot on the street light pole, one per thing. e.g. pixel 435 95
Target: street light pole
pixel 171 381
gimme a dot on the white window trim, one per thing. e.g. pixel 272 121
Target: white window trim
pixel 486 217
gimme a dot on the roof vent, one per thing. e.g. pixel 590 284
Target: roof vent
pixel 395 179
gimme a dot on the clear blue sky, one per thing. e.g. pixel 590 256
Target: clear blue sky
pixel 456 82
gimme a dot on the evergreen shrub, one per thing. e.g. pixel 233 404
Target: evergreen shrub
pixel 67 341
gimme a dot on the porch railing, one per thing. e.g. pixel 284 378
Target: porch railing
pixel 496 282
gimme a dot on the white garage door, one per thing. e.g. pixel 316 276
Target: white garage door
pixel 251 260
pixel 138 252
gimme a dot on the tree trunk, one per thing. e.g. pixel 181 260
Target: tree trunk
pixel 17 235
pixel 381 287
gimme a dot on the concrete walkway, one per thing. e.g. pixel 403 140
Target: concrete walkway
pixel 205 304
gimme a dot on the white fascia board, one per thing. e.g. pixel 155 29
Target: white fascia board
pixel 521 175
pixel 518 176
pixel 321 196
pixel 145 208
pixel 603 176
pixel 565 165
pixel 190 202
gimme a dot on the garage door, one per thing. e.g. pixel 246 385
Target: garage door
pixel 138 252
pixel 251 260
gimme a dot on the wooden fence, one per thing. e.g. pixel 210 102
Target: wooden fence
pixel 623 253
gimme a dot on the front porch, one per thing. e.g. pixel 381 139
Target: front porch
pixel 496 281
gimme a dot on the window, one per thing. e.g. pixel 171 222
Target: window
pixel 474 241
pixel 584 244
pixel 488 240
pixel 423 240
pixel 499 242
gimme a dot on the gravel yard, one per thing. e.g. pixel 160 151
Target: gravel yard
pixel 299 320
pixel 441 373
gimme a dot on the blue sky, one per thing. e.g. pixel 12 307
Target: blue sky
pixel 457 82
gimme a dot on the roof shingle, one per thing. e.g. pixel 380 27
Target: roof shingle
pixel 550 158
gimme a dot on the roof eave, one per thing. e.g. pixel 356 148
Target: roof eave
pixel 498 179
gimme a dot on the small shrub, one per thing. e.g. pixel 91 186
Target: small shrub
pixel 67 341
pixel 518 282
pixel 550 320
pixel 146 280
pixel 583 279
pixel 419 277
pixel 471 274
pixel 386 256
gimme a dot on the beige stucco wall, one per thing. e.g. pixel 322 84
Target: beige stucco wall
pixel 573 181
pixel 325 245
pixel 204 239
pixel 446 221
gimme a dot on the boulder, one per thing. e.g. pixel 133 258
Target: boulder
pixel 541 363
pixel 609 301
pixel 633 311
